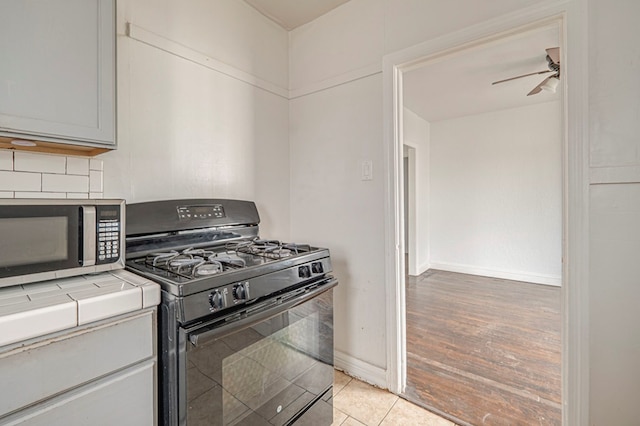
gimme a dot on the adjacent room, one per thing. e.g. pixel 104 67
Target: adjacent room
pixel 483 229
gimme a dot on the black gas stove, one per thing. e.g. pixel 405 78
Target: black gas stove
pixel 231 301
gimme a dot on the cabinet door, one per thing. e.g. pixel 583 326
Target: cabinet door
pixel 126 398
pixel 53 365
pixel 57 70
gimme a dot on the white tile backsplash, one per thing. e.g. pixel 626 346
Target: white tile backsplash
pixel 28 162
pixel 95 164
pixel 22 194
pixel 38 175
pixel 20 181
pixel 77 166
pixel 67 183
pixel 6 159
pixel 78 195
pixel 95 181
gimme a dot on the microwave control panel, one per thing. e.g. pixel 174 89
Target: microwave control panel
pixel 109 224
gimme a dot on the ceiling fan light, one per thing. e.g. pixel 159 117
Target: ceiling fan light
pixel 551 85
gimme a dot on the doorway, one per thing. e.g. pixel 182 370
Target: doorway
pixel 397 374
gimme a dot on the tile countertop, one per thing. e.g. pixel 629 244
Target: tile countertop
pixel 32 310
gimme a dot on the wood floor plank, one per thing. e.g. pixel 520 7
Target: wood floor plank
pixel 484 350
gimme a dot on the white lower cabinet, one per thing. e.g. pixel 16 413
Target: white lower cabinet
pixel 123 398
pixel 103 374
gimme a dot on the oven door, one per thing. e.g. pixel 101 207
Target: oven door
pixel 270 366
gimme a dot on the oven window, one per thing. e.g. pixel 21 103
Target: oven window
pixel 267 374
pixel 31 240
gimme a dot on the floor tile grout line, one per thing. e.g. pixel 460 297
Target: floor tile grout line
pixel 389 411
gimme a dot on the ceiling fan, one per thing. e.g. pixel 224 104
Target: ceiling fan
pixel 550 83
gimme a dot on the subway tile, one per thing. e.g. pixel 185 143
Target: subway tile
pixel 65 183
pixel 77 166
pixel 95 164
pixel 6 159
pixel 95 181
pixel 43 163
pixel 96 195
pixel 78 195
pixel 20 181
pixel 24 194
pixel 6 194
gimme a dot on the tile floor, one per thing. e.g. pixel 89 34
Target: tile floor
pixel 356 403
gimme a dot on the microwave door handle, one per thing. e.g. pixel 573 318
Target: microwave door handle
pixel 88 235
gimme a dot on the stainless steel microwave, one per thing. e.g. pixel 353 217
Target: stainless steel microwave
pixel 42 239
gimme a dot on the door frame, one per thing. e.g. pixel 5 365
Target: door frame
pixel 572 18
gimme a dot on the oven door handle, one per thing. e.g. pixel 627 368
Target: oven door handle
pixel 201 337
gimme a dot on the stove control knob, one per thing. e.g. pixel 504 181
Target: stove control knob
pixel 241 291
pixel 216 300
pixel 316 268
pixel 304 271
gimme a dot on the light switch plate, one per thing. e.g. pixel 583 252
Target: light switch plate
pixel 367 170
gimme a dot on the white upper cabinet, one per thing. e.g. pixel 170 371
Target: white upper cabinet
pixel 57 71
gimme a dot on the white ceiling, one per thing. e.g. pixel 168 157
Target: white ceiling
pixel 290 14
pixel 460 84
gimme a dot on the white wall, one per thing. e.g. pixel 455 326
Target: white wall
pixel 189 130
pixel 416 134
pixel 614 281
pixel 332 133
pixel 336 64
pixel 496 194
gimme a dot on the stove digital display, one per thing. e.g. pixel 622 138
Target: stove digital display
pixel 212 211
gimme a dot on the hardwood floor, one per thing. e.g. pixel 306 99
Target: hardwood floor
pixel 484 351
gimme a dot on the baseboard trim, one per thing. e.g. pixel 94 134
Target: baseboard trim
pixel 424 267
pixel 496 273
pixel 361 370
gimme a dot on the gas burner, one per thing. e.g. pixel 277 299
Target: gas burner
pixel 228 259
pixel 207 268
pixel 182 263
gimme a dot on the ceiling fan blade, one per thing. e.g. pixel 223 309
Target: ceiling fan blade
pixel 554 54
pixel 520 76
pixel 538 88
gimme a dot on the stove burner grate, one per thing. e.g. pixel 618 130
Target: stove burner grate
pixel 197 262
pixel 272 249
pixel 192 263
